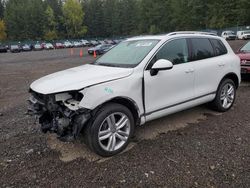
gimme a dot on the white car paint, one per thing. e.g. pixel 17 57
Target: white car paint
pixel 243 34
pixel 228 35
pixel 78 78
pixel 184 86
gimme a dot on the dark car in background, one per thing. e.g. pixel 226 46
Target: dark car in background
pixel 14 48
pixel 110 42
pixel 100 49
pixel 244 55
pixel 26 47
pixel 3 48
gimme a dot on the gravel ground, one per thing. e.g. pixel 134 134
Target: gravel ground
pixel 194 148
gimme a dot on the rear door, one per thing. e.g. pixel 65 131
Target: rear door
pixel 208 65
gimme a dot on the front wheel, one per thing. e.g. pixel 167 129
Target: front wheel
pixel 225 96
pixel 111 129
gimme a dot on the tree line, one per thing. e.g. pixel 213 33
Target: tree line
pixel 57 19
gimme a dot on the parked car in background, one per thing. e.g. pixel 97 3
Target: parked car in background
pixel 94 43
pixel 244 35
pixel 141 79
pixel 43 45
pixel 117 41
pixel 37 47
pixel 228 35
pixel 77 44
pixel 68 44
pixel 85 43
pixel 48 46
pixel 244 54
pixel 26 47
pixel 14 48
pixel 3 48
pixel 100 49
pixel 110 42
pixel 58 45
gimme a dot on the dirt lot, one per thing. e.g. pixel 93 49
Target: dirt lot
pixel 194 148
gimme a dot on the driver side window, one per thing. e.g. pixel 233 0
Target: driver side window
pixel 175 51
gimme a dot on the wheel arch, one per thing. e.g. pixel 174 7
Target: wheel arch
pixel 233 77
pixel 127 102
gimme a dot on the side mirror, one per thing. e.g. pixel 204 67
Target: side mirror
pixel 160 65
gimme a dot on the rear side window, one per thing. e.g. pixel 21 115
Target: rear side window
pixel 201 49
pixel 219 47
pixel 175 51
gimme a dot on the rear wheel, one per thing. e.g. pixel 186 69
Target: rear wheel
pixel 111 129
pixel 225 96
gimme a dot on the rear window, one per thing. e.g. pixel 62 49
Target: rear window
pixel 201 49
pixel 219 47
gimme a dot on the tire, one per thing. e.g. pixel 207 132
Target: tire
pixel 225 96
pixel 103 136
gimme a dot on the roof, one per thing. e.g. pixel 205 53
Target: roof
pixel 169 35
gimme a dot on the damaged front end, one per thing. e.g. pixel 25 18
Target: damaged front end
pixel 59 113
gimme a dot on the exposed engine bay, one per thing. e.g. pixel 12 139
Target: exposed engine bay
pixel 59 113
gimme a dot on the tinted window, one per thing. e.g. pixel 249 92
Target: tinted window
pixel 201 49
pixel 175 51
pixel 219 47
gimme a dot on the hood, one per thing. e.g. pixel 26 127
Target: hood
pixel 244 56
pixel 78 78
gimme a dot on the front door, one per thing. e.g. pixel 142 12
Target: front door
pixel 169 87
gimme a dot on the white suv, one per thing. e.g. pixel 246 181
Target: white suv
pixel 244 35
pixel 228 35
pixel 141 79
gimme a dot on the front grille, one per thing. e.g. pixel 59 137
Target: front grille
pixel 245 62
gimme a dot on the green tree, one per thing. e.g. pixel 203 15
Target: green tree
pixel 155 16
pixel 56 6
pixel 1 9
pixel 25 19
pixel 222 13
pixel 3 34
pixel 73 18
pixel 94 18
pixel 242 9
pixel 50 26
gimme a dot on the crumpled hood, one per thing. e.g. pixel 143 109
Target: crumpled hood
pixel 78 78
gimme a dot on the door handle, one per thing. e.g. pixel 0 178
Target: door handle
pixel 189 71
pixel 221 64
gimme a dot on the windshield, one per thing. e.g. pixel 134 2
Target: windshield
pixel 127 54
pixel 246 48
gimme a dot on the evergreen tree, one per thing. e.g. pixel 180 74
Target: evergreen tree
pixel 1 9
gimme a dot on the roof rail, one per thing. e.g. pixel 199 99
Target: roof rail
pixel 190 32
